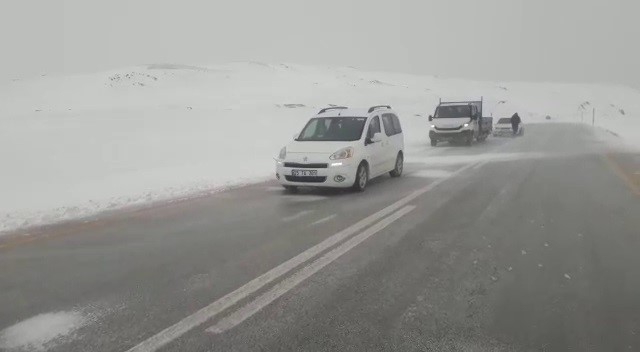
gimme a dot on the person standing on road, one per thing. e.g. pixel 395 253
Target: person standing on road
pixel 515 122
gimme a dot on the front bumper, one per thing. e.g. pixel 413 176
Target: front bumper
pixel 448 136
pixel 336 176
pixel 502 132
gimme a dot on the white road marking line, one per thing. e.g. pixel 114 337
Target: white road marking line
pixel 303 198
pixel 479 165
pixel 285 286
pixel 430 173
pixel 171 333
pixel 324 219
pixel 296 216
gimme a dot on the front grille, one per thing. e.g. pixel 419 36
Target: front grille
pixel 448 128
pixel 306 166
pixel 308 179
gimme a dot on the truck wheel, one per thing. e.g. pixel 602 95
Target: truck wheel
pixel 399 166
pixel 362 178
pixel 434 142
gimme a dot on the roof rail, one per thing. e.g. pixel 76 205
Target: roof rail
pixel 462 102
pixel 371 109
pixel 331 108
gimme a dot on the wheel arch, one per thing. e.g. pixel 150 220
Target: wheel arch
pixel 366 164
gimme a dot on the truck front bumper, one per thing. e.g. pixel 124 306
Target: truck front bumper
pixel 450 136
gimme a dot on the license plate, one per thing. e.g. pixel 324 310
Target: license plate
pixel 304 173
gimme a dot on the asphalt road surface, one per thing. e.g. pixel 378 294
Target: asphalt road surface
pixel 515 244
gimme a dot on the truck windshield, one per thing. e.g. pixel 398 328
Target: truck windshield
pixel 505 120
pixel 333 129
pixel 453 111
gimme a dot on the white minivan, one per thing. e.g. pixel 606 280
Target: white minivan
pixel 342 147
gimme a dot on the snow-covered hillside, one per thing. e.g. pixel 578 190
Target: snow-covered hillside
pixel 75 145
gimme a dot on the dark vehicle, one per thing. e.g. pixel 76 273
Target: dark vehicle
pixel 459 121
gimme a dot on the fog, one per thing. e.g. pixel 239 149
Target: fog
pixel 541 40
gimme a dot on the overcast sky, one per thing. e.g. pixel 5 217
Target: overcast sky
pixel 541 40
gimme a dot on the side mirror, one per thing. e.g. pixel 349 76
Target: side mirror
pixel 295 136
pixel 430 117
pixel 377 137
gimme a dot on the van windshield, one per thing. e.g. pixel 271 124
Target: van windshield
pixel 333 129
pixel 453 111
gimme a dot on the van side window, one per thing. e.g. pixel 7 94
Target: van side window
pixel 391 124
pixel 387 121
pixel 374 127
pixel 396 124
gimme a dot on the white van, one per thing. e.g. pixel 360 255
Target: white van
pixel 343 147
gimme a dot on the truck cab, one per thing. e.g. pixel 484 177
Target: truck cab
pixel 460 122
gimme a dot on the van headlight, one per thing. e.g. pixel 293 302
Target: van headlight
pixel 344 153
pixel 465 125
pixel 283 153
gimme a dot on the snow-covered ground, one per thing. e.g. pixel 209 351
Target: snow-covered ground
pixel 72 146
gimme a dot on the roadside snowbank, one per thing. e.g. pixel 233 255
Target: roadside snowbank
pixel 75 145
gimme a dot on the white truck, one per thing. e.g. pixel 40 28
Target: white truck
pixel 459 122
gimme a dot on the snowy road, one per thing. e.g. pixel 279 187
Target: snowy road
pixel 514 244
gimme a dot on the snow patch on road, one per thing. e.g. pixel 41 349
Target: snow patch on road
pixel 296 215
pixel 431 173
pixel 323 220
pixel 474 158
pixel 42 331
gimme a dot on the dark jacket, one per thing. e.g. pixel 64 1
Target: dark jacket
pixel 515 119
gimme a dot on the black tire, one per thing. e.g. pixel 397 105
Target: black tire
pixel 434 142
pixel 362 178
pixel 291 189
pixel 397 171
